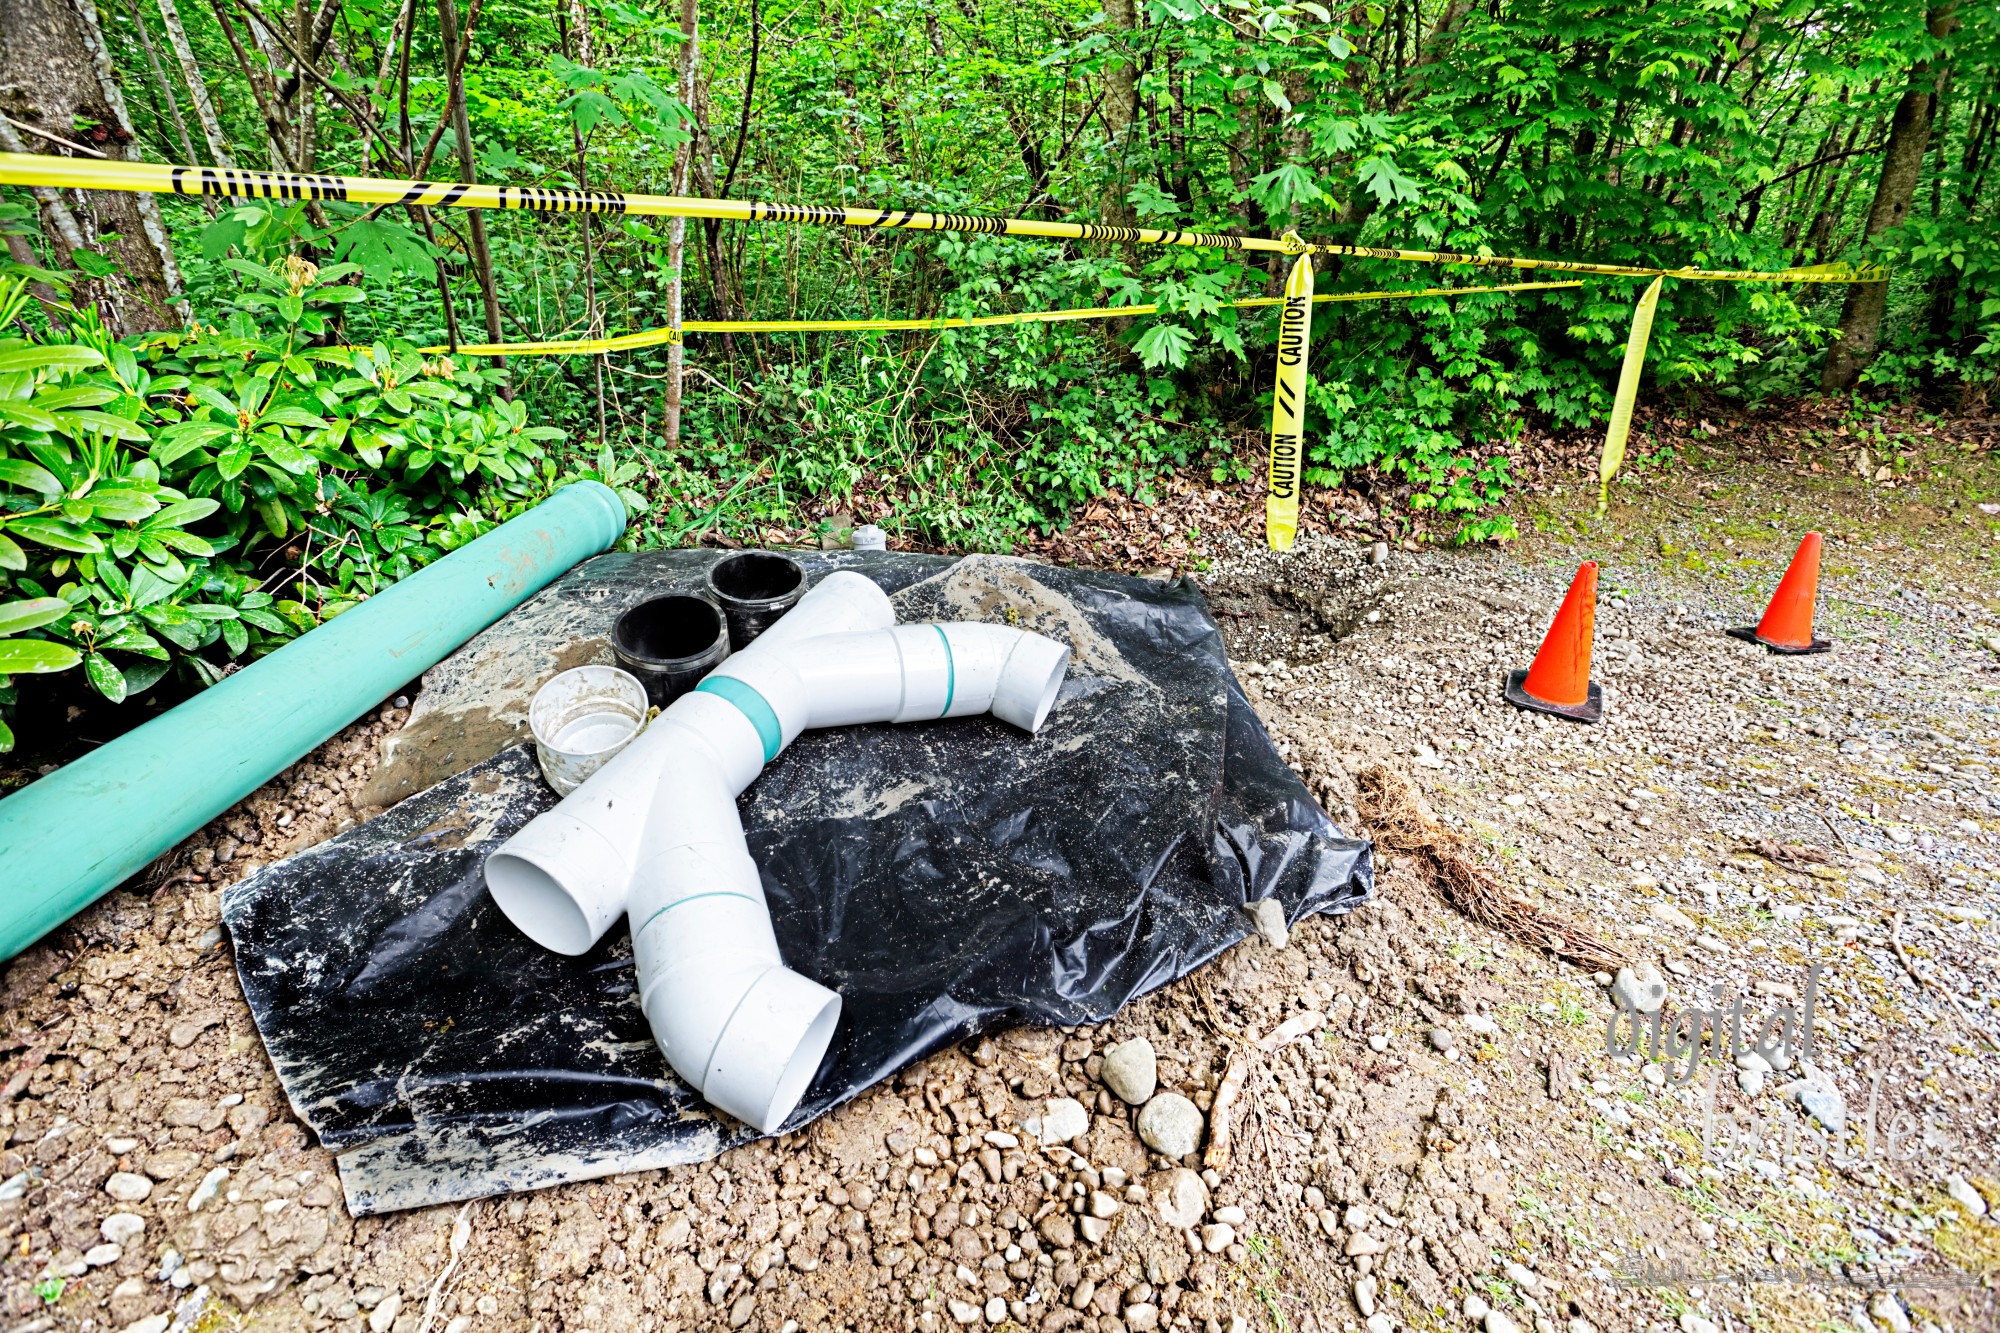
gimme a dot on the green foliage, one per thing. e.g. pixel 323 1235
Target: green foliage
pixel 1705 132
pixel 198 498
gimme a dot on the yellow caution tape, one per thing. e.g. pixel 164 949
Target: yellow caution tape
pixel 69 173
pixel 655 337
pixel 1288 408
pixel 1628 393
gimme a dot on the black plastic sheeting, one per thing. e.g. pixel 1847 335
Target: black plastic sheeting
pixel 946 878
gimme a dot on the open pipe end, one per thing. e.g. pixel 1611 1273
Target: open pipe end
pixel 562 887
pixel 1030 682
pixel 772 1047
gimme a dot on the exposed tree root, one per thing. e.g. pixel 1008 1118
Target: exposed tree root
pixel 1401 821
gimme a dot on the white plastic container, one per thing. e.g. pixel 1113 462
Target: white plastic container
pixel 581 718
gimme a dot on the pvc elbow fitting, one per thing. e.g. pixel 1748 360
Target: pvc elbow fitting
pixel 655 834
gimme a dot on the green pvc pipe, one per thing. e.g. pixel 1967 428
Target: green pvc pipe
pixel 69 838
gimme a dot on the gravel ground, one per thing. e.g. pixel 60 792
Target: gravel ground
pixel 1426 1129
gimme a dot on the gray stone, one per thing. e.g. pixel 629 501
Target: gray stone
pixel 1888 1310
pixel 1179 1197
pixel 1820 1098
pixel 1171 1125
pixel 1268 915
pixel 1441 1039
pixel 1643 991
pixel 1062 1120
pixel 122 1228
pixel 1131 1070
pixel 128 1187
pixel 1495 1322
pixel 1965 1196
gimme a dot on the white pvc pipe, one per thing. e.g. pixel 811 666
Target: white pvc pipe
pixel 655 834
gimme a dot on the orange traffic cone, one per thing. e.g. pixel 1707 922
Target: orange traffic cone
pixel 1559 680
pixel 1787 626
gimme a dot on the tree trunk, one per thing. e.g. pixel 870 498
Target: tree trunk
pixel 1902 164
pixel 585 222
pixel 204 110
pixel 461 124
pixel 690 71
pixel 58 76
pixel 160 80
pixel 1121 105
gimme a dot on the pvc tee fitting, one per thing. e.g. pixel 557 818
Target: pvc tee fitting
pixel 655 834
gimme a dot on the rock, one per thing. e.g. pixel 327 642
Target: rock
pixel 1474 1308
pixel 383 1317
pixel 1063 1120
pixel 1131 1070
pixel 964 1312
pixel 1751 1062
pixel 1143 1317
pixel 1000 1138
pixel 1171 1125
pixel 99 1255
pixel 1379 1323
pixel 1229 1213
pixel 1481 1024
pixel 1654 1075
pixel 122 1228
pixel 1691 1322
pixel 1103 1205
pixel 996 1310
pixel 1520 1275
pixel 1330 1223
pixel 1356 1217
pixel 1268 915
pixel 206 1191
pixel 1364 1296
pixel 1361 1243
pixel 1751 1081
pixel 1441 1039
pixel 1643 991
pixel 1888 1310
pixel 1820 1098
pixel 1059 1230
pixel 1217 1237
pixel 1379 1042
pixel 1179 1198
pixel 171 1164
pixel 1965 1196
pixel 152 1323
pixel 1378 555
pixel 1094 1229
pixel 1495 1322
pixel 128 1187
pixel 1669 915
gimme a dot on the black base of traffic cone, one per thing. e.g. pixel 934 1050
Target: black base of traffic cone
pixel 1590 710
pixel 1748 633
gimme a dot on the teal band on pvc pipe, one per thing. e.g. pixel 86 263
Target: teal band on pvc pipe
pixel 950 672
pixel 753 706
pixel 692 897
pixel 90 825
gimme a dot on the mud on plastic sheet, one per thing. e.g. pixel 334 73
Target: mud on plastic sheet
pixel 946 878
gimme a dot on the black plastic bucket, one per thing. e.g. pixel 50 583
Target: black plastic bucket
pixel 670 643
pixel 754 589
